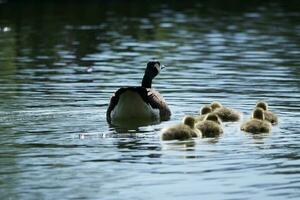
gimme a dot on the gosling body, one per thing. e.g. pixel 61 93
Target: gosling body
pixel 224 113
pixel 210 126
pixel 183 131
pixel 257 124
pixel 269 116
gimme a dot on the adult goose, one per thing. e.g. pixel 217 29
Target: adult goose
pixel 139 103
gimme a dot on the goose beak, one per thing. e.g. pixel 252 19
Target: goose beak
pixel 162 66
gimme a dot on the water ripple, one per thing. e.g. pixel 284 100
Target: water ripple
pixel 56 81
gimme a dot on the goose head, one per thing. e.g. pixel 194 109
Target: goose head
pixel 152 70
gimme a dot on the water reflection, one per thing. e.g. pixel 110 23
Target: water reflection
pixel 129 126
pixel 259 138
pixel 186 145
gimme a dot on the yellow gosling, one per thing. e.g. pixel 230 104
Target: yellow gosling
pixel 225 114
pixel 257 124
pixel 270 116
pixel 203 113
pixel 211 126
pixel 183 131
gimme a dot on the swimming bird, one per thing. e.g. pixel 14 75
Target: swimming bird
pixel 139 103
pixel 203 112
pixel 225 114
pixel 210 126
pixel 257 124
pixel 270 116
pixel 182 131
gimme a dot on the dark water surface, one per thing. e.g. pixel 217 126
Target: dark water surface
pixel 60 61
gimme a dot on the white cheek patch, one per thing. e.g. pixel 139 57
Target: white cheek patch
pixel 157 66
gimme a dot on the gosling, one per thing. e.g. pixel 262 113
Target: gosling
pixel 257 124
pixel 269 116
pixel 224 113
pixel 210 126
pixel 203 113
pixel 183 131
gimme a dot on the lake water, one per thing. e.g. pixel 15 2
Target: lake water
pixel 61 61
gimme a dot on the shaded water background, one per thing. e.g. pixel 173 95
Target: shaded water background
pixel 60 61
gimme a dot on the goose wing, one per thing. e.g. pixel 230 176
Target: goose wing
pixel 156 100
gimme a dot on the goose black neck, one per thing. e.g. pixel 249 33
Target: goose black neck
pixel 147 81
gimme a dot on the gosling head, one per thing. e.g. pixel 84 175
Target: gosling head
pixel 205 110
pixel 215 104
pixel 258 113
pixel 189 121
pixel 262 104
pixel 213 117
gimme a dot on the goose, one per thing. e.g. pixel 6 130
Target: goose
pixel 225 114
pixel 210 126
pixel 203 112
pixel 257 124
pixel 141 102
pixel 269 116
pixel 182 131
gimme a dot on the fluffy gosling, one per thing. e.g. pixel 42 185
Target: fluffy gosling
pixel 183 131
pixel 210 126
pixel 225 114
pixel 269 116
pixel 257 124
pixel 203 113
